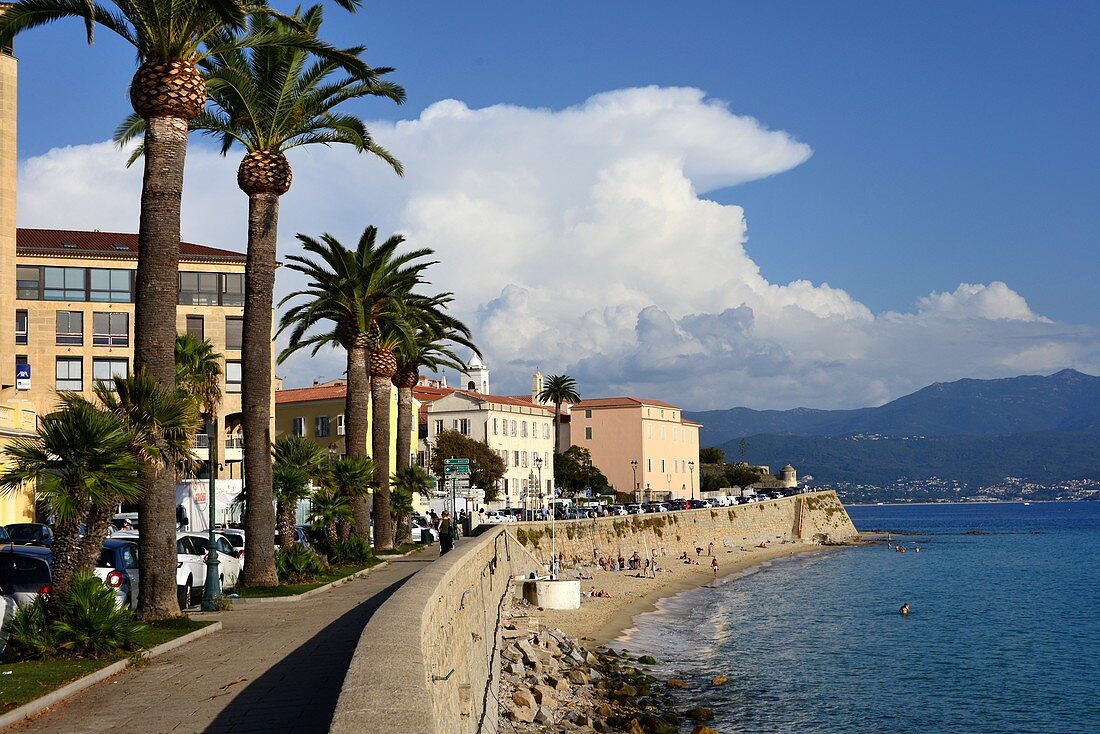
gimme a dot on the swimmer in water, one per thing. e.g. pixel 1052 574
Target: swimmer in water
pixel 904 611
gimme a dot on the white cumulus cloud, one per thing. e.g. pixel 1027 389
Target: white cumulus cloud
pixel 577 241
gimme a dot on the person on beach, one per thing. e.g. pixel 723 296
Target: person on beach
pixel 710 549
pixel 622 564
pixel 904 611
pixel 714 566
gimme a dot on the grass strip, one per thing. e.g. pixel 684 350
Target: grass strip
pixel 27 680
pixel 335 573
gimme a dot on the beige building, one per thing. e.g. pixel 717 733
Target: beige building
pixel 74 319
pixel 642 446
pixel 17 415
pixel 317 413
pixel 515 428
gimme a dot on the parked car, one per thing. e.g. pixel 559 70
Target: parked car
pixel 117 567
pixel 419 527
pixel 618 510
pixel 235 536
pixel 30 533
pixel 4 537
pixel 24 572
pixel 190 566
pixel 229 566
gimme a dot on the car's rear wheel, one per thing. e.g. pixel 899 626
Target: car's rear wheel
pixel 185 594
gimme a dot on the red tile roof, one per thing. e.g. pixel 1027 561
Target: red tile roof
pixel 114 245
pixel 622 402
pixel 306 394
pixel 522 402
pixel 427 394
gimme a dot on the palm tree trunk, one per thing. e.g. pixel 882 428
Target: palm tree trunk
pixel 380 447
pixel 95 532
pixel 286 524
pixel 355 425
pixel 155 299
pixel 557 428
pixel 256 379
pixel 66 557
pixel 405 426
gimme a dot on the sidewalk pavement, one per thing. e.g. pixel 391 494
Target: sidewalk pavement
pixel 273 668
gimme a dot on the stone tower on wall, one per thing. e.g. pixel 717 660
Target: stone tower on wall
pixel 8 67
pixel 476 377
pixel 537 385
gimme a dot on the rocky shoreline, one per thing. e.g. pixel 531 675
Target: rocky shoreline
pixel 550 682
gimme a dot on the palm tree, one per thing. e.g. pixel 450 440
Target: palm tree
pixel 271 99
pixel 329 508
pixel 80 457
pixel 160 424
pixel 356 300
pixel 430 348
pixel 559 389
pixel 171 37
pixel 407 482
pixel 297 460
pixel 353 477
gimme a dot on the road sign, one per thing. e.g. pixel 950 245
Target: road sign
pixel 462 483
pixel 461 461
pixel 457 471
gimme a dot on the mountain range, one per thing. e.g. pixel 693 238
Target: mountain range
pixel 1041 428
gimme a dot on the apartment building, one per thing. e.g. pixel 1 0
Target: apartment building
pixel 516 428
pixel 642 446
pixel 73 317
pixel 17 415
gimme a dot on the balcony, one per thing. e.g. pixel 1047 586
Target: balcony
pixel 200 449
pixel 234 448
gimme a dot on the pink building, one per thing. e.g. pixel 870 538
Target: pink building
pixel 644 446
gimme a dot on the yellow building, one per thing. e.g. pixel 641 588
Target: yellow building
pixel 74 319
pixel 17 416
pixel 642 446
pixel 317 413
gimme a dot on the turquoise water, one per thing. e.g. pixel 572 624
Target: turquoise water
pixel 1004 634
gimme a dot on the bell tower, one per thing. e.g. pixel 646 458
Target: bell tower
pixel 476 377
pixel 537 385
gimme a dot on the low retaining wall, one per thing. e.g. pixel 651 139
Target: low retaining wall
pixel 815 517
pixel 428 661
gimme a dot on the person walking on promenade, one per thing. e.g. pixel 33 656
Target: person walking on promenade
pixel 446 540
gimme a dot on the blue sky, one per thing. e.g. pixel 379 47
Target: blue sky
pixel 952 142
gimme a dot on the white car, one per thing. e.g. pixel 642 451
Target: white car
pixel 418 531
pixel 493 517
pixel 229 566
pixel 191 564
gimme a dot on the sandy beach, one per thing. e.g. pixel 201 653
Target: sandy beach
pixel 600 620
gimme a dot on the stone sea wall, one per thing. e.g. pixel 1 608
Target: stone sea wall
pixel 429 659
pixel 817 517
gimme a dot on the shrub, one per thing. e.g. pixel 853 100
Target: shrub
pixel 85 622
pixel 354 551
pixel 298 565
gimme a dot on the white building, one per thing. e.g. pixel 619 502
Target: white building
pixel 514 427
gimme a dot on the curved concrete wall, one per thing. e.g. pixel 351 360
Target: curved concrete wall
pixel 428 661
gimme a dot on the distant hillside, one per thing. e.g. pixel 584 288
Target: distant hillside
pixel 1068 401
pixel 1048 457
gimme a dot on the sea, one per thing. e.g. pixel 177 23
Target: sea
pixel 1003 634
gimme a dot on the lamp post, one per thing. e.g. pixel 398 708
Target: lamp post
pixel 634 469
pixel 691 469
pixel 553 535
pixel 212 589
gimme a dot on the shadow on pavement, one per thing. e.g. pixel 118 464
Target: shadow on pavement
pixel 299 693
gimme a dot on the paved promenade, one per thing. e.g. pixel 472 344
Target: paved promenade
pixel 273 668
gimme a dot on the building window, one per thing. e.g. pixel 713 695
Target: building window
pixel 504 455
pixel 649 464
pixel 588 433
pixel 64 284
pixel 321 426
pixel 104 369
pixel 110 286
pixel 546 430
pixel 232 376
pixel 587 412
pixel 195 327
pixel 515 458
pixel 523 458
pixel 21 327
pixel 340 425
pixel 70 328
pixel 69 374
pixel 662 465
pixel 523 429
pixel 438 427
pixel 299 427
pixel 495 432
pixel 110 329
pixel 545 459
pixel 199 289
pixel 28 282
pixel 649 431
pixel 234 332
pixel 233 291
pixel 513 428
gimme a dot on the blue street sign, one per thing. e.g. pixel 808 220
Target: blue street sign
pixel 22 377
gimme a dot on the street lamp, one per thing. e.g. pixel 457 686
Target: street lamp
pixel 634 469
pixel 213 588
pixel 553 535
pixel 691 468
